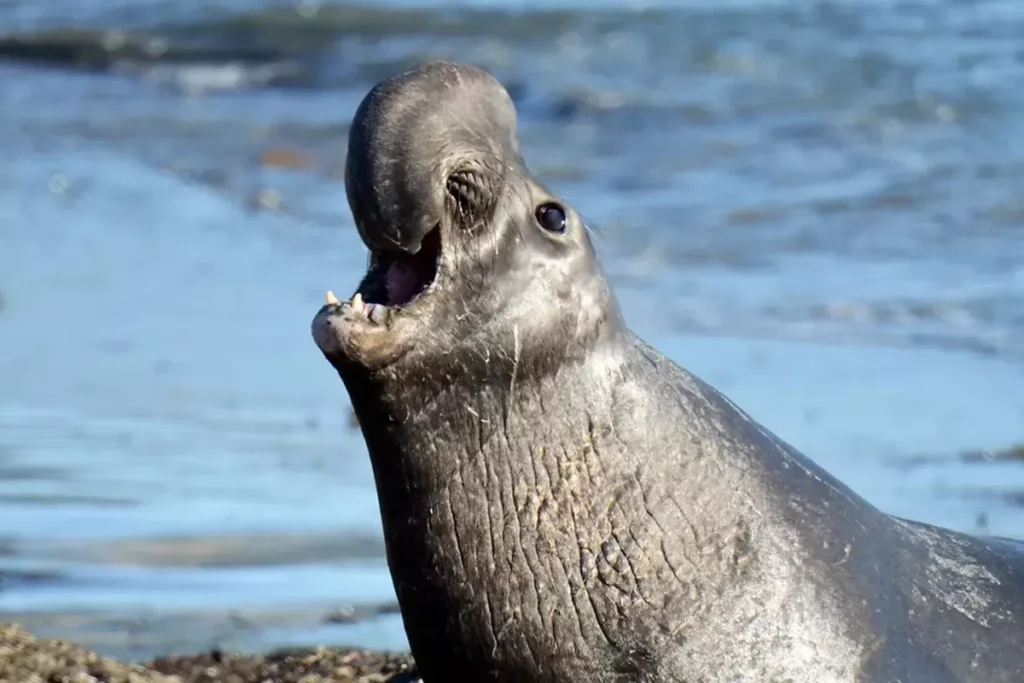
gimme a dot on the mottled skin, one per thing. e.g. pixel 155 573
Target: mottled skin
pixel 563 504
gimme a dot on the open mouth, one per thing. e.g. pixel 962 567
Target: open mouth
pixel 396 279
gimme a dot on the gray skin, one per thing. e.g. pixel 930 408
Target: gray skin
pixel 562 503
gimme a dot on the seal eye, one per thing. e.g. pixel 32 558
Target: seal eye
pixel 551 217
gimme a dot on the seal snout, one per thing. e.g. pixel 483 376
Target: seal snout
pixel 428 154
pixel 427 148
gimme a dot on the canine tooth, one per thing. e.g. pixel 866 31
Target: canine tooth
pixel 357 302
pixel 331 299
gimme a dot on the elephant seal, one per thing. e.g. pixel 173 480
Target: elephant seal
pixel 560 502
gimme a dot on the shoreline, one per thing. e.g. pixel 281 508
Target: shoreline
pixel 24 658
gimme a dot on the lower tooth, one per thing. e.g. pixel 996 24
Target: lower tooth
pixel 377 313
pixel 357 302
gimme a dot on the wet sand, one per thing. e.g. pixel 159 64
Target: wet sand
pixel 25 658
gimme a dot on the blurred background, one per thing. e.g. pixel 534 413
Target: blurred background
pixel 817 206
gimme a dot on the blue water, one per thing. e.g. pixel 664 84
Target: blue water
pixel 814 207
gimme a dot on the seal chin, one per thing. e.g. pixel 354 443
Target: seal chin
pixel 375 326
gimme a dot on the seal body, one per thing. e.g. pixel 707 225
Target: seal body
pixel 561 503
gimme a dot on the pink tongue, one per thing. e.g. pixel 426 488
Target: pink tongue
pixel 403 284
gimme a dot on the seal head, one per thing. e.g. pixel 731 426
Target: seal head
pixel 466 245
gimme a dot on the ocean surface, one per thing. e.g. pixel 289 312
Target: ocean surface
pixel 818 207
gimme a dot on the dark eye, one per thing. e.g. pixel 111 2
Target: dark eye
pixel 551 217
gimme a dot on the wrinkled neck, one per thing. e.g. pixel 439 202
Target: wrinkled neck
pixel 472 476
pixel 419 433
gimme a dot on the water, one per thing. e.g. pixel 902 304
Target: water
pixel 814 206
